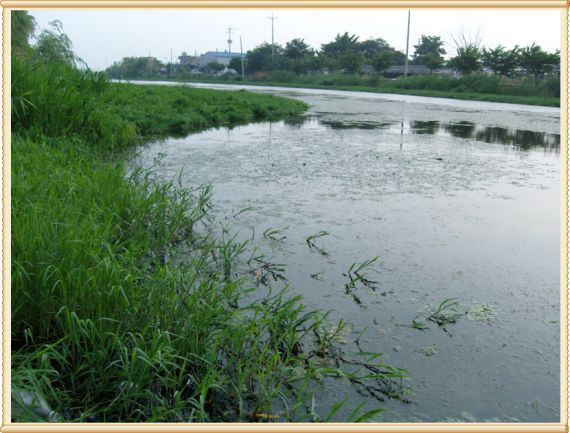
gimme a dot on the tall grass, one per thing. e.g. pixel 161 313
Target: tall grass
pixel 480 83
pixel 106 326
pixel 180 110
pixel 59 100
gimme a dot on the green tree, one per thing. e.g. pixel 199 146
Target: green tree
pixel 344 53
pixel 55 46
pixel 23 26
pixel 351 62
pixel 399 58
pixel 297 49
pixel 537 62
pixel 215 67
pixel 315 62
pixel 373 47
pixel 467 60
pixel 342 45
pixel 380 54
pixel 383 60
pixel 500 60
pixel 235 63
pixel 429 51
pixel 134 67
pixel 261 58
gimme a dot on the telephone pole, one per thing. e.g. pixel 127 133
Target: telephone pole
pixel 407 45
pixel 272 18
pixel 229 32
pixel 241 52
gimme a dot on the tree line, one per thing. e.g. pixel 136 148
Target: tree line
pixel 346 53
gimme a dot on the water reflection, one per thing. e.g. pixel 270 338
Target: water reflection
pixel 355 125
pixel 521 139
pixel 296 122
pixel 460 129
pixel 424 127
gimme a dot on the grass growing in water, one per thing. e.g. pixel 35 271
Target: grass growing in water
pixel 445 313
pixel 311 241
pixel 275 234
pixel 358 273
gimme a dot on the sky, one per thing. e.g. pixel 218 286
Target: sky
pixel 101 37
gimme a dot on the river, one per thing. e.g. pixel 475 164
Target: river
pixel 458 200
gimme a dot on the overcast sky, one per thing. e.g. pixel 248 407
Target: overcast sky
pixel 101 37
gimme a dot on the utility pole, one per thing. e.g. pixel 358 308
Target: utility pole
pixel 407 46
pixel 272 18
pixel 241 52
pixel 229 32
pixel 171 61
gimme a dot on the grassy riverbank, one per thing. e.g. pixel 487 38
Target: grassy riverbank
pixel 106 327
pixel 474 88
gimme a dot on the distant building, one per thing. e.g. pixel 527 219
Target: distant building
pixel 447 71
pixel 222 57
pixel 397 70
pixel 189 62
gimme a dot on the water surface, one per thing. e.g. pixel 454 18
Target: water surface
pixel 458 200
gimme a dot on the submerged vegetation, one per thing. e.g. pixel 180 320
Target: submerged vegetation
pixel 311 241
pixel 106 326
pixel 442 315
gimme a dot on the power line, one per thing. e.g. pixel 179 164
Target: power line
pixel 407 45
pixel 241 57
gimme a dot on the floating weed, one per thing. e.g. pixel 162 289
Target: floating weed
pixel 442 315
pixel 317 276
pixel 235 215
pixel 427 351
pixel 482 313
pixel 275 234
pixel 311 241
pixel 357 273
pixel 263 270
pixel 419 325
pixel 552 322
pixel 446 313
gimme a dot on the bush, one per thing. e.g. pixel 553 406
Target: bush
pixel 479 83
pixel 280 76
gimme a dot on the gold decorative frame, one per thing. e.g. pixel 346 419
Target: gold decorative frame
pixel 9 427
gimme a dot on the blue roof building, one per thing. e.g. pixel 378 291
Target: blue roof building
pixel 222 57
